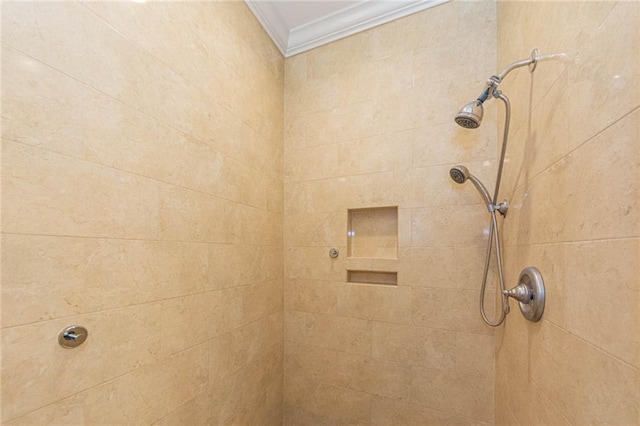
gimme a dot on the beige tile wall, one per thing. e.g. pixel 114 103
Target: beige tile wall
pixel 142 198
pixel 369 123
pixel 572 177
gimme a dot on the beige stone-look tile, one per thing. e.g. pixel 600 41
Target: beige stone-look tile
pixel 431 226
pixel 311 296
pixel 262 299
pixel 201 217
pixel 232 265
pixel 469 268
pixel 475 355
pixel 36 369
pixel 611 74
pixel 159 29
pixel 312 163
pixel 227 310
pixel 52 277
pixel 76 120
pixel 444 309
pixel 235 395
pixel 46 193
pixel 453 59
pixel 432 186
pixel 146 394
pixel 352 371
pixel 427 267
pixel 244 143
pixel 333 59
pixel 339 194
pixel 41 106
pixel 412 108
pixel 573 200
pixel 435 349
pixel 409 33
pixel 388 412
pixel 393 342
pixel 343 123
pixel 249 225
pixel 375 302
pixel 231 351
pixel 328 403
pixel 609 205
pixel 275 330
pixel 296 416
pixel 314 263
pixel 104 60
pixel 388 75
pixel 534 407
pixel 554 28
pixel 332 332
pixel 316 229
pixel 181 320
pixel 324 93
pixel 604 292
pixel 448 143
pixel 586 384
pixel 243 396
pixel 546 223
pixel 454 393
pixel 374 155
pixel 195 412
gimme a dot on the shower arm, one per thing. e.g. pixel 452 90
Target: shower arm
pixel 495 80
pixel 531 61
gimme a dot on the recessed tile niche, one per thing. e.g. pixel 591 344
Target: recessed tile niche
pixel 373 233
pixel 371 244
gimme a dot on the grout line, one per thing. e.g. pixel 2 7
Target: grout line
pixel 262 138
pixel 550 400
pixel 132 41
pixel 105 382
pixel 147 302
pixel 336 315
pixel 595 346
pixel 153 179
pixel 209 243
pixel 574 242
pixel 572 151
pixel 390 170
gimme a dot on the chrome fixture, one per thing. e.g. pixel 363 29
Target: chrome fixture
pixel 530 297
pixel 72 336
pixel 333 253
pixel 529 293
pixel 470 116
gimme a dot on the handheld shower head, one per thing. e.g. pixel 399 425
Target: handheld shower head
pixel 459 174
pixel 470 116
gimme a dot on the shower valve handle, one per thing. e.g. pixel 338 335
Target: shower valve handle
pixel 522 293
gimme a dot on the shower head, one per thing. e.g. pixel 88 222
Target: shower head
pixel 459 174
pixel 470 116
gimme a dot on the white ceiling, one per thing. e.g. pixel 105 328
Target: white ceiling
pixel 301 25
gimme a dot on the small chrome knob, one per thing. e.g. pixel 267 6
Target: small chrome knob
pixel 72 336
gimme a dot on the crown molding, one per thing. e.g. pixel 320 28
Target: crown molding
pixel 352 19
pixel 270 20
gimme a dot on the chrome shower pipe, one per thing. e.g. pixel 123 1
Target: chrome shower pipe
pixel 505 137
